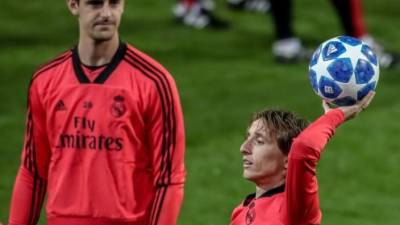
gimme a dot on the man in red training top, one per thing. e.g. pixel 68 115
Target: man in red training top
pixel 280 156
pixel 105 137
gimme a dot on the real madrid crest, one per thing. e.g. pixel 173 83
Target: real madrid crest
pixel 118 107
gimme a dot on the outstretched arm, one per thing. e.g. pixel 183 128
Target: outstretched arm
pixel 302 200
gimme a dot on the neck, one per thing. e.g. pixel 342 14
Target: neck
pixel 97 53
pixel 263 188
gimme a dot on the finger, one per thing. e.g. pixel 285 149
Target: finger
pixel 367 100
pixel 325 105
pixel 370 95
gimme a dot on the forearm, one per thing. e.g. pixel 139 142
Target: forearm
pixel 167 205
pixel 27 198
pixel 310 143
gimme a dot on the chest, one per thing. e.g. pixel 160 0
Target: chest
pixel 91 108
pixel 267 211
pixel 94 118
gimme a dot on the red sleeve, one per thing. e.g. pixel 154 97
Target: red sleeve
pixel 31 182
pixel 302 200
pixel 167 143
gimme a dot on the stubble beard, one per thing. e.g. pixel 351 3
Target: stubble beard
pixel 102 36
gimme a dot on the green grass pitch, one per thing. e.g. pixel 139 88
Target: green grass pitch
pixel 223 77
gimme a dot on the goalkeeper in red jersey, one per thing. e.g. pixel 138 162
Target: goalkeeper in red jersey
pixel 104 139
pixel 280 156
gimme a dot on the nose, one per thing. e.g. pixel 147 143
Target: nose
pixel 245 148
pixel 106 10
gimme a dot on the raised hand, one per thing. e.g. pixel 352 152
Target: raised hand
pixel 351 111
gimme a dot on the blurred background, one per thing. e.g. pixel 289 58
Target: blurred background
pixel 224 76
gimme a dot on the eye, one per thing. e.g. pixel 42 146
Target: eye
pixel 95 2
pixel 115 2
pixel 260 141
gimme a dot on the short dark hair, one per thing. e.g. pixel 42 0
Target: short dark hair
pixel 283 126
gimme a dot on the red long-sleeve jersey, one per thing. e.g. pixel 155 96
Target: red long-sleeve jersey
pixel 297 202
pixel 106 146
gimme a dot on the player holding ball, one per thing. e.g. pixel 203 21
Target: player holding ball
pixel 280 155
pixel 281 152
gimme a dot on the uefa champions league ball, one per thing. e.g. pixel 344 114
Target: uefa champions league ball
pixel 343 70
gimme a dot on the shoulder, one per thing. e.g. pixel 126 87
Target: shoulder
pixel 51 65
pixel 248 199
pixel 146 64
pixel 237 211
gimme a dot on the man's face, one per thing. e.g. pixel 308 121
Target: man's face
pixel 98 19
pixel 263 162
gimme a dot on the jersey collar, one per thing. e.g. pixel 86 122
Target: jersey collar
pixel 269 193
pixel 103 76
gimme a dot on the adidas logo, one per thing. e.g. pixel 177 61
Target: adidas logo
pixel 60 106
pixel 331 49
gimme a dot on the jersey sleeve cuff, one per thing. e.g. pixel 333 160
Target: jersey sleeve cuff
pixel 336 116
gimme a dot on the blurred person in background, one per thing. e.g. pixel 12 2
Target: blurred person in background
pixel 289 48
pixel 200 14
pixel 280 155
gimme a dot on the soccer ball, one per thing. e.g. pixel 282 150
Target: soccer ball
pixel 343 70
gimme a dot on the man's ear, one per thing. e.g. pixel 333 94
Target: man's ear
pixel 123 6
pixel 286 162
pixel 73 6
